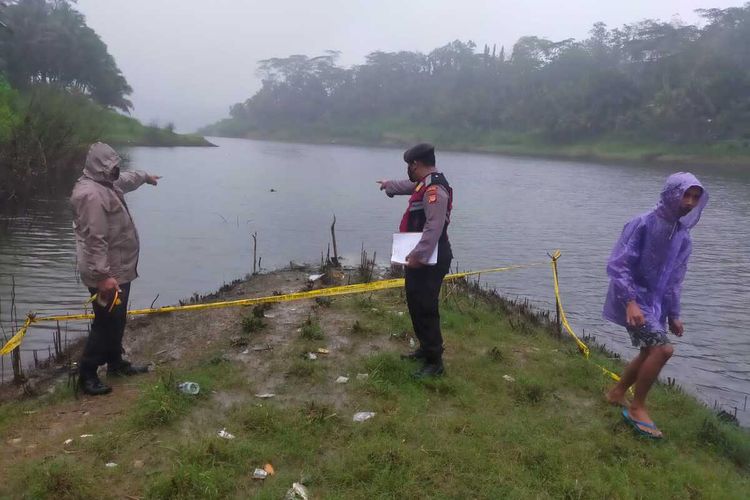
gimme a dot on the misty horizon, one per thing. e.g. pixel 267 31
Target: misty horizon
pixel 188 62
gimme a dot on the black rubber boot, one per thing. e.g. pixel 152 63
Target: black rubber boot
pixel 415 355
pixel 91 385
pixel 429 370
pixel 126 369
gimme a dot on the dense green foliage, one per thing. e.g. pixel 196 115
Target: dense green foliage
pixel 644 82
pixel 49 42
pixel 58 90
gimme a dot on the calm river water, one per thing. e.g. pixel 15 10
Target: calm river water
pixel 195 231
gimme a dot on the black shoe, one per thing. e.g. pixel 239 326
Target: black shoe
pixel 414 356
pixel 430 370
pixel 126 369
pixel 92 386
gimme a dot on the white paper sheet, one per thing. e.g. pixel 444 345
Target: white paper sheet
pixel 403 243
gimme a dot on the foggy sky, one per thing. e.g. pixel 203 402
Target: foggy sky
pixel 189 60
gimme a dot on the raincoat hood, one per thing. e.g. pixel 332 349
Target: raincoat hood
pixel 101 162
pixel 669 205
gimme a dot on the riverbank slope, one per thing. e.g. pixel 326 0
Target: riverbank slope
pixel 520 412
pixel 606 150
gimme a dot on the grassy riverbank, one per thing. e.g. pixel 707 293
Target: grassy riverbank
pixel 607 149
pixel 519 414
pixel 120 130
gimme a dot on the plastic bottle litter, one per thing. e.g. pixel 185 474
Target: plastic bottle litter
pixel 87 435
pixel 361 416
pixel 363 376
pixel 297 492
pixel 312 356
pixel 508 378
pixel 225 435
pixel 110 465
pixel 322 350
pixel 265 395
pixel 412 343
pixel 260 474
pixel 67 442
pixel 342 380
pixel 188 387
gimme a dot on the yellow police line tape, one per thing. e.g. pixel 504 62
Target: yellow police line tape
pixel 564 320
pixel 16 340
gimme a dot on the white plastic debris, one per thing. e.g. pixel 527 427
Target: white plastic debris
pixel 342 380
pixel 314 277
pixel 363 376
pixel 188 387
pixel 400 313
pixel 361 416
pixel 110 465
pixel 265 395
pixel 412 343
pixel 323 350
pixel 225 435
pixel 260 474
pixel 87 435
pixel 68 441
pixel 508 378
pixel 312 356
pixel 297 492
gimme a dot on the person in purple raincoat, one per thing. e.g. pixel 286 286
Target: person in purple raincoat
pixel 646 269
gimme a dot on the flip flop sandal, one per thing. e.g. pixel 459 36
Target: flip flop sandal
pixel 637 424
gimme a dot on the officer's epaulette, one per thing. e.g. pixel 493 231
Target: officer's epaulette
pixel 435 178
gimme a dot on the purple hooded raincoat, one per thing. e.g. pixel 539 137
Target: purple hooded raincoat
pixel 649 261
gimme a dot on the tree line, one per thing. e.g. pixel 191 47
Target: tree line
pixel 651 80
pixel 60 89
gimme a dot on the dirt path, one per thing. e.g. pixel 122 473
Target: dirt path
pixel 182 340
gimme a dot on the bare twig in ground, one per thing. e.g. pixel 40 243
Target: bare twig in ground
pixel 335 260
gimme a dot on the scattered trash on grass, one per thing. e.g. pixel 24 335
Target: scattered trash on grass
pixel 188 387
pixel 361 416
pixel 342 380
pixel 225 435
pixel 297 492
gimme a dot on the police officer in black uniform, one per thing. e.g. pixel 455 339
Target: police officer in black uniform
pixel 430 204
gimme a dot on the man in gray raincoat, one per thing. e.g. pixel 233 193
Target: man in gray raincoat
pixel 107 248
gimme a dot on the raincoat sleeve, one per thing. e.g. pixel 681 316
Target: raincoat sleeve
pixel 130 181
pixel 403 187
pixel 435 211
pixel 91 225
pixel 622 261
pixel 674 285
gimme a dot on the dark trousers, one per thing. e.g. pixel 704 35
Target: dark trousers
pixel 104 344
pixel 423 296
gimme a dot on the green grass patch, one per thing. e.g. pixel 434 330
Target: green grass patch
pixel 520 414
pixel 311 330
pixel 252 324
